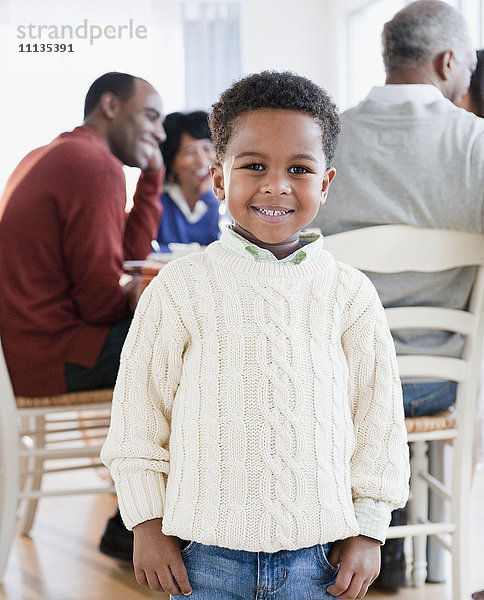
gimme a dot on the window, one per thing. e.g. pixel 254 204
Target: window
pixel 365 64
pixel 212 51
pixel 473 11
pixel 364 26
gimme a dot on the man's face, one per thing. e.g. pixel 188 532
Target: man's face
pixel 464 66
pixel 136 129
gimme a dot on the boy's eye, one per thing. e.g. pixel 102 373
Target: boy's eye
pixel 254 166
pixel 298 169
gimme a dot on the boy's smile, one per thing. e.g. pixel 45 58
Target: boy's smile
pixel 273 175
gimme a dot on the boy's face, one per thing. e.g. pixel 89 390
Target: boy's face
pixel 273 176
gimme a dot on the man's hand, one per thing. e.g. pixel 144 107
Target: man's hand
pixel 156 161
pixel 157 560
pixel 359 565
pixel 133 290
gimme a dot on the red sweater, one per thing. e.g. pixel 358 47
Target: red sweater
pixel 64 235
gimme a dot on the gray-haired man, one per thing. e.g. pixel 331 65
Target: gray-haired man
pixel 408 155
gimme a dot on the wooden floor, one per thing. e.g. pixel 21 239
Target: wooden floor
pixel 60 560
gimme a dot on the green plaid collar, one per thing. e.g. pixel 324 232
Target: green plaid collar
pixel 311 242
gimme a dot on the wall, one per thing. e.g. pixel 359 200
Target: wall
pixel 296 35
pixel 43 94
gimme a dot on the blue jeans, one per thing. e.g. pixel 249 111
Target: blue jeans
pixel 105 371
pixel 222 574
pixel 423 399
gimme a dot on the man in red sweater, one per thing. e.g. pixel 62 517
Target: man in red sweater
pixel 64 235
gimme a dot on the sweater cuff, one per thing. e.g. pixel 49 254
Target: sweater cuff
pixel 141 497
pixel 373 517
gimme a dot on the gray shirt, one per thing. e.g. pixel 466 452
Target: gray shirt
pixel 419 163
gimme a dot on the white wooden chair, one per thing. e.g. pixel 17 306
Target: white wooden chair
pixel 399 248
pixel 40 436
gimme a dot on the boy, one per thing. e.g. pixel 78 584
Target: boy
pixel 258 408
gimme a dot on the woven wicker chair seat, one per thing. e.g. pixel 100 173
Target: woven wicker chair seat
pixel 442 420
pixel 69 399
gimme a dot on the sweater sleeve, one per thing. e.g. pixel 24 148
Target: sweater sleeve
pixel 137 446
pixel 144 218
pixel 379 464
pixel 93 221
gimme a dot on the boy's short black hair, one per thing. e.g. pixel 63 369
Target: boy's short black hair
pixel 273 89
pixel 177 123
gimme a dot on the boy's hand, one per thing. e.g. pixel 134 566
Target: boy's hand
pixel 359 565
pixel 157 560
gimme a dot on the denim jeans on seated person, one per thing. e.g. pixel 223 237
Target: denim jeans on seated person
pixel 222 574
pixel 105 371
pixel 428 398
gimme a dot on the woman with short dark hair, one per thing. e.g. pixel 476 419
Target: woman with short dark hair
pixel 190 210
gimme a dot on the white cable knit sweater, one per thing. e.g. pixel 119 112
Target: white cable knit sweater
pixel 255 401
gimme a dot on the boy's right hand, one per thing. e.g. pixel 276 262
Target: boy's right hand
pixel 157 560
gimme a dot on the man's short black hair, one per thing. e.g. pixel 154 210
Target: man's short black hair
pixel 121 85
pixel 278 90
pixel 175 124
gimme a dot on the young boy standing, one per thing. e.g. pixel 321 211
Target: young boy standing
pixel 258 409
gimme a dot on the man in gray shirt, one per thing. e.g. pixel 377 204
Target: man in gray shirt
pixel 408 155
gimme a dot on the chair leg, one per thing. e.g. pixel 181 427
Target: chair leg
pixel 8 511
pixel 419 511
pixel 460 565
pixel 9 488
pixel 461 491
pixel 437 513
pixel 408 552
pixel 33 482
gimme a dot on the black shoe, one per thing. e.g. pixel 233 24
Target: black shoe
pixel 392 572
pixel 117 541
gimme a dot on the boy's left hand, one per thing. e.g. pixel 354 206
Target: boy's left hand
pixel 359 565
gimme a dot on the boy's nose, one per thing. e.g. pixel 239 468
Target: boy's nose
pixel 275 184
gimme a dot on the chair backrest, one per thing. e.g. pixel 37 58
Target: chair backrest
pixel 400 248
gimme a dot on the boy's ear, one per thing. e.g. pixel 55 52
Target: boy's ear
pixel 327 179
pixel 217 173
